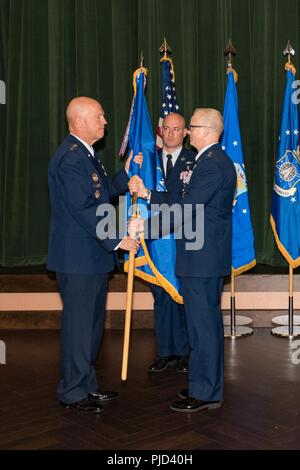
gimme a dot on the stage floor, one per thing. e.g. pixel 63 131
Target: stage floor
pixel 261 409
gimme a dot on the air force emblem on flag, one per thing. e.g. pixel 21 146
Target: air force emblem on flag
pixel 288 174
pixel 241 184
pixel 285 211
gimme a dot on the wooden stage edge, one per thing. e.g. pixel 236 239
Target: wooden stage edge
pixel 51 301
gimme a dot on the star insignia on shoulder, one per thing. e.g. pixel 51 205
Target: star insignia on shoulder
pixel 73 147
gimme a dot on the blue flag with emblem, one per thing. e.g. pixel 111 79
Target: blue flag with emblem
pixel 285 212
pixel 152 261
pixel 243 254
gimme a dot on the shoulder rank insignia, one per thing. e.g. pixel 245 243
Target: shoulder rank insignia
pixel 95 177
pixel 97 194
pixel 73 147
pixel 182 159
pixel 210 154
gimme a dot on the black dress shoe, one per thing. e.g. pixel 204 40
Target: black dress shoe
pixel 103 395
pixel 162 363
pixel 184 393
pixel 183 364
pixel 190 405
pixel 87 405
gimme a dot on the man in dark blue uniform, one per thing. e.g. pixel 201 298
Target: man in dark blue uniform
pixel 201 271
pixel 169 316
pixel 82 259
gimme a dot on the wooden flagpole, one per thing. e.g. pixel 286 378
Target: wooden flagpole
pixel 130 280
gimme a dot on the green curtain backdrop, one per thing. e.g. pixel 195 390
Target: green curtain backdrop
pixel 53 50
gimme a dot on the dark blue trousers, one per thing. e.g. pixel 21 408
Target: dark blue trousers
pixel 206 336
pixel 170 324
pixel 82 323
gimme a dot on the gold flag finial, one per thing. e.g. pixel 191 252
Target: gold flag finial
pixel 142 60
pixel 165 48
pixel 229 51
pixel 289 51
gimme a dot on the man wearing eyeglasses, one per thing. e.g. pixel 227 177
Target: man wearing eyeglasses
pixel 169 316
pixel 201 271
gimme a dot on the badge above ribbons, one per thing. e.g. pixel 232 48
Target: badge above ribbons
pixel 95 177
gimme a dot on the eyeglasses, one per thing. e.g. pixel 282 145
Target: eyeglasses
pixel 191 126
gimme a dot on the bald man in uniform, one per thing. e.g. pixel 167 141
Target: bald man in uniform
pixel 201 270
pixel 81 258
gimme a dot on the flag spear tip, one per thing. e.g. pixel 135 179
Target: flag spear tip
pixel 229 48
pixel 229 51
pixel 289 50
pixel 142 60
pixel 165 48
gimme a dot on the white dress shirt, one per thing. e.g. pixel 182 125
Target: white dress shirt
pixel 175 154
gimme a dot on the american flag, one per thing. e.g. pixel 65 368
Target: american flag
pixel 169 99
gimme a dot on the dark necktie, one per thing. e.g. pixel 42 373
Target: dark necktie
pixel 169 165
